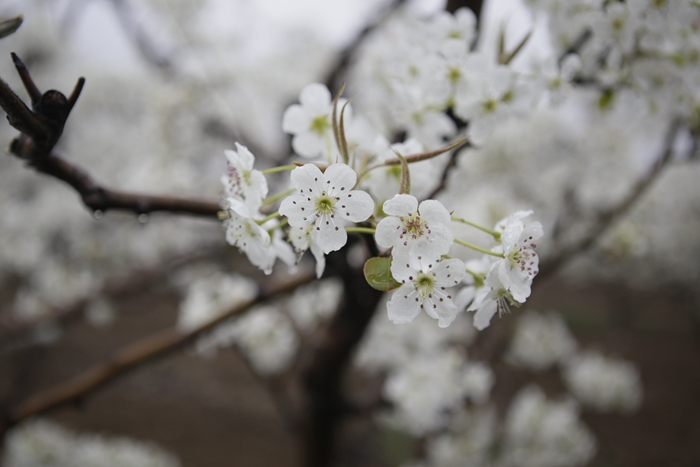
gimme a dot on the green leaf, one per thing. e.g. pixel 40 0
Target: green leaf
pixel 378 274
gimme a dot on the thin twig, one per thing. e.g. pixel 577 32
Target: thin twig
pixel 131 357
pixel 607 218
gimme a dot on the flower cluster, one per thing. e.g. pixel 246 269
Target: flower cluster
pixel 324 202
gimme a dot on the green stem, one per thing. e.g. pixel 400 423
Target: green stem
pixel 495 234
pixel 281 168
pixel 281 224
pixel 479 249
pixel 270 217
pixel 273 198
pixel 366 230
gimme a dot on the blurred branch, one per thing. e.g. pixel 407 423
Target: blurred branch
pixel 10 25
pixel 141 39
pixel 16 333
pixel 42 128
pixel 605 219
pixel 131 357
pixel 340 67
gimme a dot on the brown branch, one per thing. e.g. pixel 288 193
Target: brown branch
pixel 131 357
pixel 325 403
pixel 41 130
pixel 607 218
pixel 14 333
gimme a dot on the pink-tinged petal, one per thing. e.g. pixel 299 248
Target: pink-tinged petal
pixel 306 178
pixel 330 236
pixel 341 177
pixel 400 205
pixel 298 210
pixel 482 317
pixel 388 231
pixel 357 206
pixel 432 211
pixel 247 158
pixel 316 98
pixel 403 307
pixel 308 144
pixel 295 120
pixel 449 272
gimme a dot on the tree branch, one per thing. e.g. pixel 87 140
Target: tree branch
pixel 607 218
pixel 131 357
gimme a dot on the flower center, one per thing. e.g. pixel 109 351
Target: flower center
pixel 320 125
pixel 324 204
pixel 490 106
pixel 424 284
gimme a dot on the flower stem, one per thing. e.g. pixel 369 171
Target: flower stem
pixel 495 234
pixel 479 249
pixel 281 224
pixel 270 217
pixel 281 168
pixel 366 230
pixel 273 198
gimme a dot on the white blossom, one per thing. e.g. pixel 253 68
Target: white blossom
pixel 326 200
pixel 540 341
pixel 540 433
pixel 310 122
pixel 425 282
pixel 415 230
pixel 604 384
pixel 241 180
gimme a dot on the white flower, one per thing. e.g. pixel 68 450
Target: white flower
pixel 540 341
pixel 540 433
pixel 241 180
pixel 408 224
pixel 326 200
pixel 425 283
pixel 605 384
pixel 520 264
pixel 267 338
pixel 310 122
pixel 487 304
pixel 304 238
pixel 243 232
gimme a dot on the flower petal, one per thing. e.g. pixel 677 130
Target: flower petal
pixel 330 236
pixel 400 205
pixel 433 211
pixel 403 306
pixel 357 206
pixel 295 120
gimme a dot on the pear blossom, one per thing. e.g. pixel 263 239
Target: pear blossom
pixel 425 281
pixel 242 231
pixel 495 299
pixel 241 180
pixel 326 200
pixel 520 263
pixel 408 223
pixel 304 238
pixel 310 122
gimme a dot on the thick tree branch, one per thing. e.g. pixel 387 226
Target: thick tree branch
pixel 41 129
pixel 607 218
pixel 325 403
pixel 131 357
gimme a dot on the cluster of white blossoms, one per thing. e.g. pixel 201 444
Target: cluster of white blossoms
pixel 328 200
pixel 41 443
